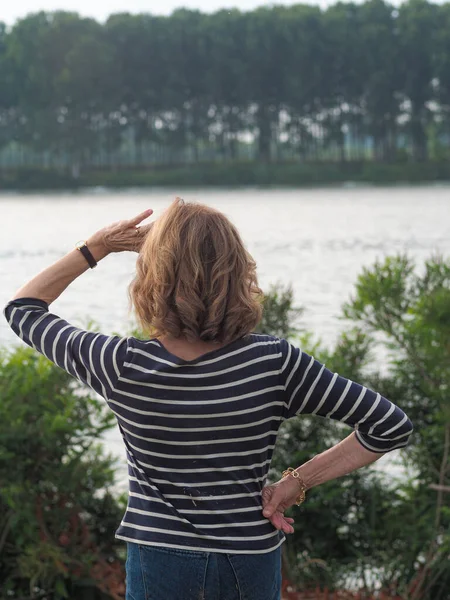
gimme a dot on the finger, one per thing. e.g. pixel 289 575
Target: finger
pixel 286 525
pixel 270 506
pixel 277 520
pixel 287 528
pixel 289 519
pixel 139 218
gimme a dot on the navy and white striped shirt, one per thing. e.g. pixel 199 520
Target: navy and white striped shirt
pixel 200 434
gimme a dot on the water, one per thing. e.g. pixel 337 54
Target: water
pixel 318 240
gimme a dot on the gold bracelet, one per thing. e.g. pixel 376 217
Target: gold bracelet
pixel 302 496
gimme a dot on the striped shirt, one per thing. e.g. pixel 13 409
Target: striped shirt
pixel 199 435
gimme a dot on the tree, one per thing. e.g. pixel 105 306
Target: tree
pixel 441 68
pixel 87 98
pixel 188 98
pixel 380 98
pixel 60 68
pixel 346 71
pixel 264 54
pixel 307 76
pixel 226 79
pixel 8 97
pixel 141 58
pixel 416 25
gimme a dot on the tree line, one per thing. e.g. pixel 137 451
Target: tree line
pixel 352 82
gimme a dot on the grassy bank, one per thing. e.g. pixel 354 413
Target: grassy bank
pixel 229 174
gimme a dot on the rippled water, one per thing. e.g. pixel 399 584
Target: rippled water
pixel 318 240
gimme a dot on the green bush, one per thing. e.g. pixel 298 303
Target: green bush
pixel 57 515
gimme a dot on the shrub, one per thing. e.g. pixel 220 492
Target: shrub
pixel 57 512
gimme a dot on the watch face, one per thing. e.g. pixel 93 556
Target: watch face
pixel 79 244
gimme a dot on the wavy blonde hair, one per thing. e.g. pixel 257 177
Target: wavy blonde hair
pixel 194 277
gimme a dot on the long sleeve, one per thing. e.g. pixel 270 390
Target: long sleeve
pixel 311 388
pixel 92 358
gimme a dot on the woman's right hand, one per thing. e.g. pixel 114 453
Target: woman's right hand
pixel 278 497
pixel 122 235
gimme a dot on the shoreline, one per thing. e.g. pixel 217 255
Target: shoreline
pixel 230 176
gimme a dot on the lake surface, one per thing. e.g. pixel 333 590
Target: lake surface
pixel 317 240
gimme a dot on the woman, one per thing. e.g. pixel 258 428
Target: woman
pixel 199 405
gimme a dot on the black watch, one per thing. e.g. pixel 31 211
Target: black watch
pixel 82 247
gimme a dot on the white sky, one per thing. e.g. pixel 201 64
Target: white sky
pixel 10 11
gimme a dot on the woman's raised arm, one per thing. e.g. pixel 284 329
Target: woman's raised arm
pixel 93 358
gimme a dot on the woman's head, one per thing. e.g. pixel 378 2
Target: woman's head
pixel 195 279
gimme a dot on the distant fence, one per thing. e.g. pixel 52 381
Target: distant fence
pixel 130 154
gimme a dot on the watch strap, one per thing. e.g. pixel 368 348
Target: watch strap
pixel 87 255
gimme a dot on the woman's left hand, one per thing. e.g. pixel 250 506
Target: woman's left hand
pixel 122 236
pixel 278 497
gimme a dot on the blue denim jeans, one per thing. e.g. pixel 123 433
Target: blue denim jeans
pixel 167 574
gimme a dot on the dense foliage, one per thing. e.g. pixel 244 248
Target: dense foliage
pixel 352 82
pixel 57 509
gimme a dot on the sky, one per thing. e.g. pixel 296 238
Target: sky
pixel 10 11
